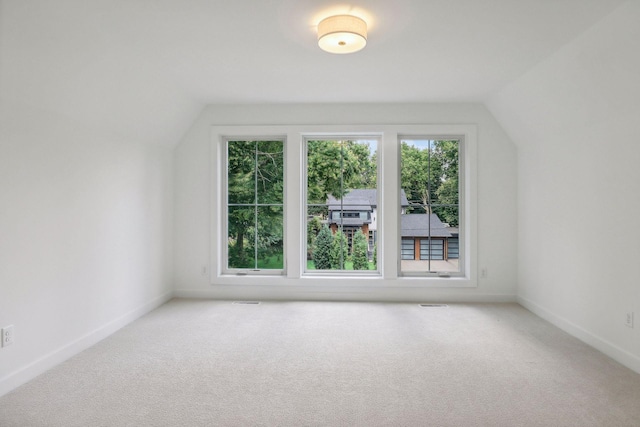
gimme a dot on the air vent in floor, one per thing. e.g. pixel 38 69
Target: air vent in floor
pixel 247 302
pixel 434 305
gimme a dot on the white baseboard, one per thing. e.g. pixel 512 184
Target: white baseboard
pixel 32 370
pixel 341 294
pixel 627 359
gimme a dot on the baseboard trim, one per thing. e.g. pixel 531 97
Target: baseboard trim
pixel 341 294
pixel 616 353
pixel 41 365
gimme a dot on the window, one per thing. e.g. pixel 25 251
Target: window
pixel 254 214
pixel 430 220
pixel 341 199
pixel 322 206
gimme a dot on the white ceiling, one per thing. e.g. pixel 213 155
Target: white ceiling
pixel 147 67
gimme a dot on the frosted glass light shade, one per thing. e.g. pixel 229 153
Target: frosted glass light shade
pixel 342 34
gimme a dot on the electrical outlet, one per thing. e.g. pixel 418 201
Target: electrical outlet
pixel 483 273
pixel 7 335
pixel 629 319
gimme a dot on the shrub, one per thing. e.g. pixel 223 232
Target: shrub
pixel 339 251
pixel 322 249
pixel 360 258
pixel 375 255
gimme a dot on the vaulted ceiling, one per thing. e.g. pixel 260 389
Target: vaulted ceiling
pixel 147 67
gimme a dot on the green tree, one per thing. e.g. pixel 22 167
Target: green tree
pixel 375 255
pixel 447 193
pixel 339 251
pixel 255 176
pixel 363 165
pixel 326 172
pixel 334 167
pixel 448 196
pixel 419 177
pixel 429 176
pixel 313 228
pixel 360 256
pixel 322 249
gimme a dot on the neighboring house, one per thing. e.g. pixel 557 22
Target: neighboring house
pixel 416 244
pixel 358 211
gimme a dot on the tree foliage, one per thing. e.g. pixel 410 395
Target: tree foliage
pixel 255 177
pixel 375 255
pixel 359 252
pixel 339 251
pixel 429 176
pixel 314 225
pixel 335 167
pixel 322 249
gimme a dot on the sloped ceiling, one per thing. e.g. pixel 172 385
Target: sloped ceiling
pixel 592 82
pixel 147 67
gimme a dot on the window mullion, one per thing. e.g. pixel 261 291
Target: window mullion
pixel 255 209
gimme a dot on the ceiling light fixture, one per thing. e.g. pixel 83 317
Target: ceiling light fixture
pixel 342 34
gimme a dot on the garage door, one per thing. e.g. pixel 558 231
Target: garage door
pixel 433 251
pixel 408 249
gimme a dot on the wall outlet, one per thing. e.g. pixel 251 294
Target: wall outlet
pixel 629 319
pixel 483 273
pixel 7 335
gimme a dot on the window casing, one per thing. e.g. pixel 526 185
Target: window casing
pixel 432 178
pixel 341 176
pixel 387 236
pixel 254 206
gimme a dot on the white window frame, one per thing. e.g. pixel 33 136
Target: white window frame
pixel 462 200
pixel 337 137
pixel 388 210
pixel 225 210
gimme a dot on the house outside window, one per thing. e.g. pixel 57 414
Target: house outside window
pixel 341 201
pixel 430 178
pixel 424 236
pixel 286 245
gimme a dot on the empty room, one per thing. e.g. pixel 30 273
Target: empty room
pixel 318 213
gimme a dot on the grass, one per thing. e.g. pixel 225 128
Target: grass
pixel 272 263
pixel 347 265
pixel 276 263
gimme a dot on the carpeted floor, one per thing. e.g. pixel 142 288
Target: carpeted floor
pixel 215 363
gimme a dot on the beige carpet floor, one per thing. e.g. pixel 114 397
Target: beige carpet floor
pixel 215 363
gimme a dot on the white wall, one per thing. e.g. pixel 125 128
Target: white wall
pixel 496 200
pixel 85 236
pixel 575 120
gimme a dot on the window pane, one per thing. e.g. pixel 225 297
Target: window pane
pixel 241 243
pixel 270 253
pixel 270 179
pixel 241 160
pixel 341 204
pixel 255 211
pixel 430 194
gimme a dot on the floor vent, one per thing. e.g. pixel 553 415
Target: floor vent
pixel 434 305
pixel 247 302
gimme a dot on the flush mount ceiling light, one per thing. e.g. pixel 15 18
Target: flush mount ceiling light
pixel 342 34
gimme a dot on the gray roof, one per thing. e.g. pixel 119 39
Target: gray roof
pixel 349 221
pixel 417 225
pixel 360 197
pixel 350 204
